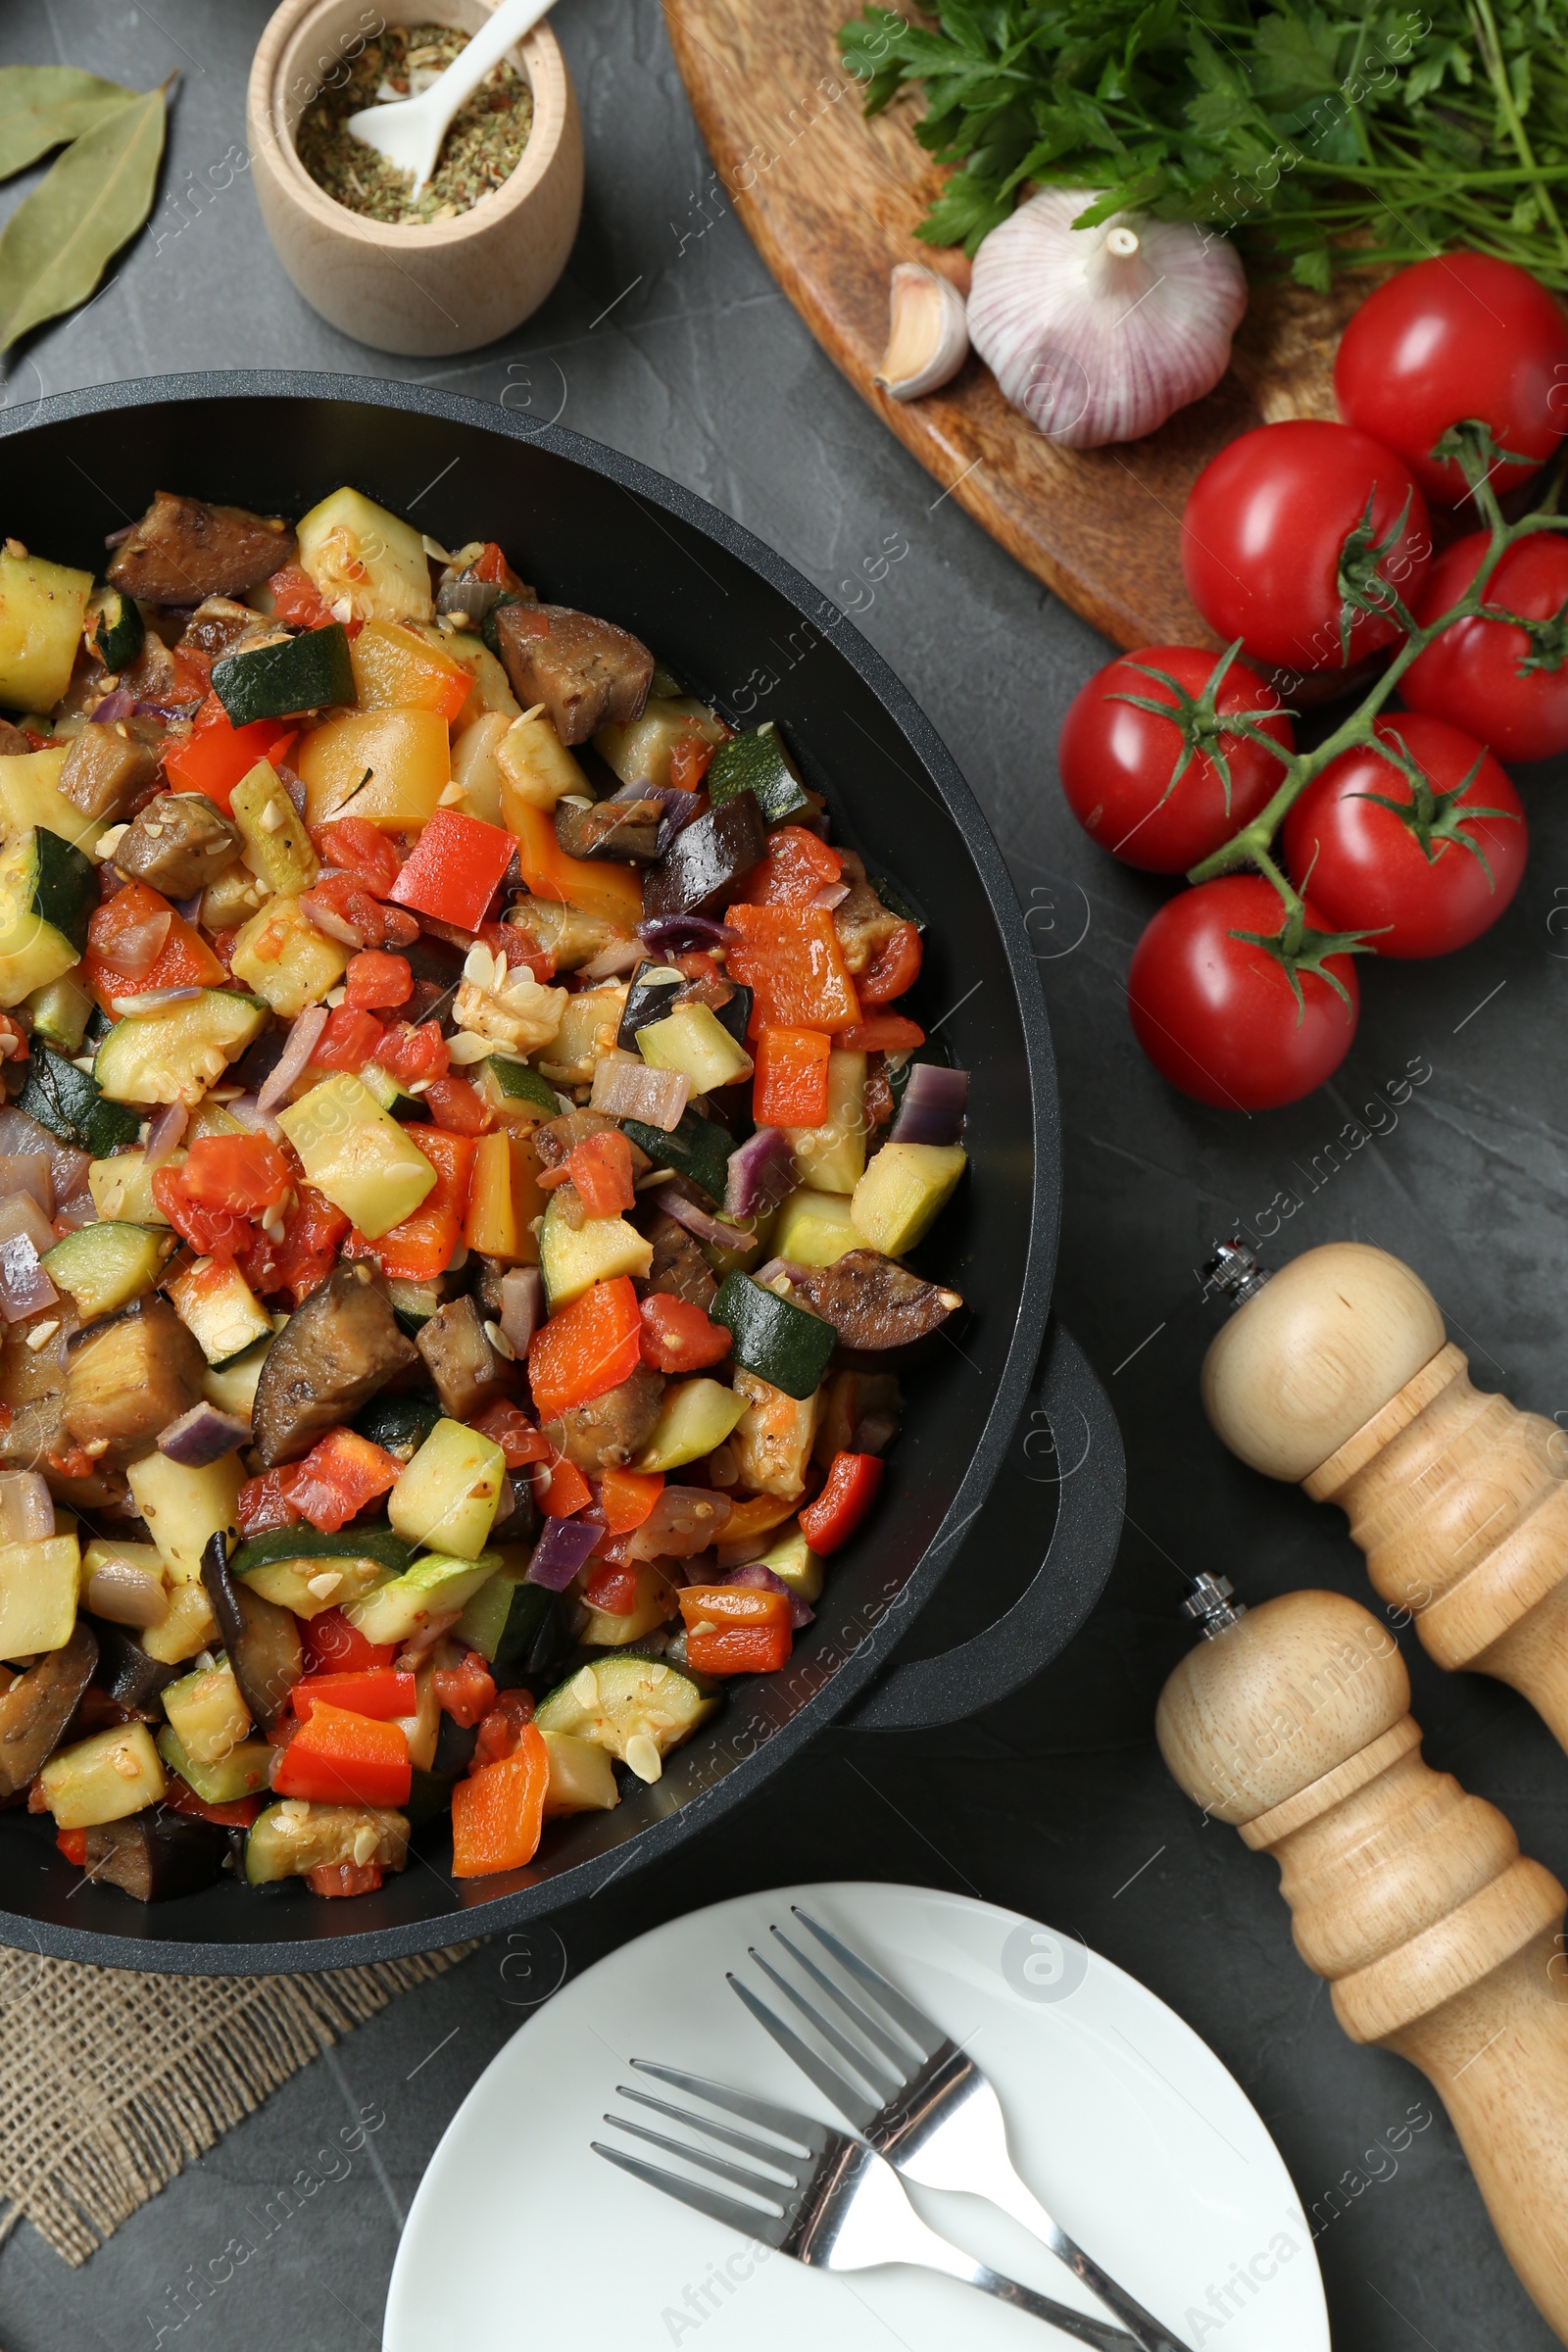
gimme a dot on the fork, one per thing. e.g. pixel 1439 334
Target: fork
pixel 935 2116
pixel 835 2204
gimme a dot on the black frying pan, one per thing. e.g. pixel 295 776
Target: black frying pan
pixel 595 530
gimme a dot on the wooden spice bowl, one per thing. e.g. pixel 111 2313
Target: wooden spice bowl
pixel 423 290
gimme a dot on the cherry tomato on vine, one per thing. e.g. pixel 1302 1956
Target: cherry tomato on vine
pixel 1221 1017
pixel 1152 788
pixel 1460 337
pixel 1504 683
pixel 1283 521
pixel 1432 873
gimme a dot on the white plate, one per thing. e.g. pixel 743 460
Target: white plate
pixel 1121 2119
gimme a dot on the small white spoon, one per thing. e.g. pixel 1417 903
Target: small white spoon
pixel 409 132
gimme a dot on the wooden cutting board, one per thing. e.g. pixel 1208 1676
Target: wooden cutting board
pixel 832 202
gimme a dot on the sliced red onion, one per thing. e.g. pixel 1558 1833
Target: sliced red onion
pixel 292 784
pixel 560 1551
pixel 613 962
pixel 677 934
pixel 471 597
pixel 762 1580
pixel 328 921
pixel 697 1220
pixel 762 1171
pixel 831 895
pixel 153 1000
pixel 247 1109
pixel 776 1267
pixel 138 946
pixel 25 1233
pixel 120 703
pixel 933 1105
pixel 169 712
pixel 630 1090
pixel 189 909
pixel 203 1435
pixel 302 1038
pixel 26 1507
pixel 28 1172
pixel 128 1593
pixel 164 1134
pixel 522 1298
pixel 683 1521
pixel 80 1209
pixel 67 1167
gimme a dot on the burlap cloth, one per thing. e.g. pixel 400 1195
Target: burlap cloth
pixel 110 2082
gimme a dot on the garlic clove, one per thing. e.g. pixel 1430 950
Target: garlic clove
pixel 928 335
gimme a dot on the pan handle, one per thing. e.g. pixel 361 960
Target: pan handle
pixel 1080 1427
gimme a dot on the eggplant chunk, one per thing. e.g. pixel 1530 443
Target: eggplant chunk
pixel 35 1710
pixel 106 771
pixel 130 1376
pixel 623 829
pixel 556 1140
pixel 262 1639
pixel 183 551
pixel 679 1268
pixel 157 1854
pixel 218 624
pixel 178 842
pixel 863 925
pixel 773 1439
pixel 330 1358
pixel 705 859
pixel 587 673
pixel 859 1414
pixel 609 1430
pixel 874 1304
pixel 467 1372
pixel 14 744
pixel 124 1672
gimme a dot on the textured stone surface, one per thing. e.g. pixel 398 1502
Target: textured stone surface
pixel 668 339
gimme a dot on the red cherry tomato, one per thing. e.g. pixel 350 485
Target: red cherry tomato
pixel 1507 684
pixel 894 967
pixel 1117 760
pixel 1416 881
pixel 1217 1014
pixel 1463 337
pixel 1264 534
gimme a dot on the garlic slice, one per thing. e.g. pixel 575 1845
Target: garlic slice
pixel 928 335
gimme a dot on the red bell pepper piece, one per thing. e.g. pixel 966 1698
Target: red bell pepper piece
pixel 736 1629
pixel 459 1108
pixel 238 1814
pixel 338 1477
pixel 455 868
pixel 690 758
pixel 600 1167
pixel 229 1182
pixel 894 967
pixel 349 1041
pixel 797 866
pixel 626 1496
pixel 465 1692
pixel 883 1032
pixel 357 847
pixel 370 1690
pixel 338 1758
pixel 214 755
pixel 263 1502
pixel 183 959
pixel 73 1843
pixel 677 1337
pixel 332 1645
pixel 375 981
pixel 498 1812
pixel 791 958
pixel 853 1480
pixel 591 1345
pixel 560 1488
pixel 790 1089
pixel 507 1426
pixel 422 1247
pixel 613 1590
pixel 344 1878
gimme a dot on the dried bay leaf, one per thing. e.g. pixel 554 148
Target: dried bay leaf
pixel 43 106
pixel 55 244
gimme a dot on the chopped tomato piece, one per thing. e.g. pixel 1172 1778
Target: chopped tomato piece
pixel 332 1645
pixel 883 1032
pixel 211 1231
pixel 498 1812
pixel 626 1496
pixel 736 1629
pixel 360 848
pixel 408 1054
pixel 73 1843
pixel 338 1758
pixel 352 912
pixel 797 866
pixel 792 1074
pixel 677 1337
pixel 263 1502
pixel 375 981
pixel 853 1480
pixel 237 1814
pixel 350 1039
pixel 456 869
pixel 297 602
pixel 367 1691
pixel 422 1245
pixel 246 1173
pixel 560 1488
pixel 459 1107
pixel 507 1426
pixel 491 565
pixel 314 1231
pixel 124 927
pixel 600 1167
pixel 517 944
pixel 791 958
pixel 894 967
pixel 592 1346
pixel 465 1692
pixel 611 1589
pixel 338 1477
pixel 502 1729
pixel 343 1878
pixel 214 757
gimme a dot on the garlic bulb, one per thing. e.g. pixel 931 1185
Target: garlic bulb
pixel 1100 334
pixel 928 340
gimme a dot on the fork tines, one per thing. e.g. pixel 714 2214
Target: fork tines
pixel 883 2076
pixel 779 2185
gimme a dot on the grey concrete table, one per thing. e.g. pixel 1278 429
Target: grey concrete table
pixel 668 339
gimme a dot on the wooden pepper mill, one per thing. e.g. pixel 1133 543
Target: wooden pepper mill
pixel 1337 1371
pixel 1440 1939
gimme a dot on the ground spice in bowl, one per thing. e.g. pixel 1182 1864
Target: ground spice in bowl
pixel 487 136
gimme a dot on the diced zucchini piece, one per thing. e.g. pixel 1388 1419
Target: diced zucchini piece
pixel 774 1337
pixel 760 765
pixel 115 628
pixel 399 1420
pixel 422 1729
pixel 105 1267
pixel 415 1302
pixel 699 1149
pixel 793 1561
pixel 47 891
pixel 174 1055
pixel 106 1778
pixel 536 768
pixel 634 1707
pixel 277 849
pixel 903 1192
pixel 653 1604
pixel 640 752
pixel 211 1118
pixel 206 1712
pixel 815 1229
pixel 356 552
pixel 582 1778
pixel 831 1159
pixel 60 1014
pixel 519 1096
pixel 694 1417
pixel 189 1627
pixel 280 954
pixel 231 1387
pixel 433 1587
pixel 388 766
pixel 233 897
pixel 345 1566
pixel 185 1509
pixel 39 1585
pixel 242 1773
pixel 122 1189
pixel 389 1092
pixel 357 1155
pixel 693 1040
pixel 30 794
pixel 588 1028
pixel 299 673
pixel 215 1301
pixel 449 1493
pixel 290 1838
pixel 602 1248
pixel 71 1104
pixel 42 606
pixel 504 1618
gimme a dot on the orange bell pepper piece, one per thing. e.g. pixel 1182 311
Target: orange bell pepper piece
pixel 606 889
pixel 338 1758
pixel 422 1247
pixel 791 958
pixel 591 1345
pixel 626 1496
pixel 736 1629
pixel 499 1811
pixel 790 1089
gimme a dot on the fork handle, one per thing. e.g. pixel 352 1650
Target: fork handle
pixel 1014 2199
pixel 937 2254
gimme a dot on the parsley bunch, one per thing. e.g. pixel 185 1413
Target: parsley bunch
pixel 1326 133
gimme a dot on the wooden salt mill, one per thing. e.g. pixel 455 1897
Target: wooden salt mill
pixel 1337 1371
pixel 1440 1939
